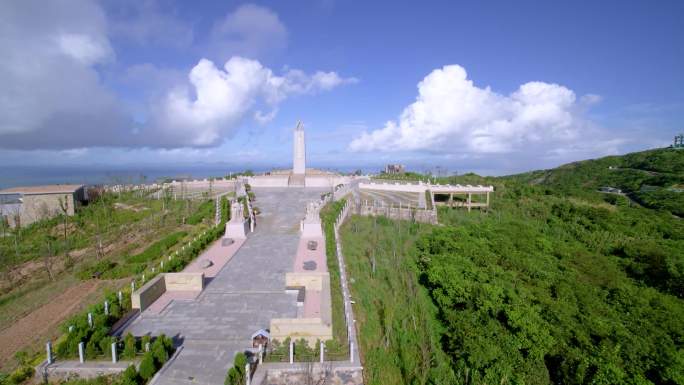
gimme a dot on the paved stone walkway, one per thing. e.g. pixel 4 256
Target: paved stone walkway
pixel 242 298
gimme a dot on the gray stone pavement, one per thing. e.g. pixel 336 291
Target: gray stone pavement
pixel 242 298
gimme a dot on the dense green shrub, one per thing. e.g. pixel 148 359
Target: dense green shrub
pixel 19 376
pixel 159 352
pixel 92 350
pixel 147 366
pixel 129 346
pixel 233 377
pixel 129 376
pixel 556 283
pixel 236 373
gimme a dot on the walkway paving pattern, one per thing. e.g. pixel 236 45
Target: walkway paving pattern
pixel 242 298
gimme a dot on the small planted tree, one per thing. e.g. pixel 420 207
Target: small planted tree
pixel 233 377
pixel 92 350
pixel 129 346
pixel 147 367
pixel 240 363
pixel 236 374
pixel 106 346
pixel 130 376
pixel 159 352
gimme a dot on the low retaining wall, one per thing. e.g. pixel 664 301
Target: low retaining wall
pixel 184 281
pixel 310 329
pixel 425 216
pixel 150 292
pixel 326 180
pixel 268 180
pixel 237 229
pixel 69 370
pixel 313 373
pixel 155 288
pixel 311 281
pixel 316 301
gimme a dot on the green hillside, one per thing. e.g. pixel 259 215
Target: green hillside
pixel 653 178
pixel 556 284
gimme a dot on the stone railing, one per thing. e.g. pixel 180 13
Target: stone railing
pixel 348 311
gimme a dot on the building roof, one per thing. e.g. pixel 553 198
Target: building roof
pixel 47 189
pixel 261 332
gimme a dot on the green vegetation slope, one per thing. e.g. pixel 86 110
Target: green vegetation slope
pixel 653 178
pixel 556 284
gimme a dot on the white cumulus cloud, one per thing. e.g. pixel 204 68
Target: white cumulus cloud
pixel 220 99
pixel 452 115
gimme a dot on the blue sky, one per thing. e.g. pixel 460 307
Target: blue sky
pixel 493 87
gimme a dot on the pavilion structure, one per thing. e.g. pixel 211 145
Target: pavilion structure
pixel 439 194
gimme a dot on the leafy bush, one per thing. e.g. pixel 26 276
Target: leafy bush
pixel 555 284
pixel 233 377
pixel 159 352
pixel 92 350
pixel 106 346
pixel 236 373
pixel 130 376
pixel 147 366
pixel 21 374
pixel 129 346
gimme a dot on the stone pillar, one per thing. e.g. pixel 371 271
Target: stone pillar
pixel 322 352
pixel 291 352
pixel 132 286
pixel 487 198
pixel 106 307
pixel 261 354
pixel 469 200
pixel 81 355
pixel 147 346
pixel 247 375
pixel 48 348
pixel 120 295
pixel 90 320
pixel 114 352
pixel 143 278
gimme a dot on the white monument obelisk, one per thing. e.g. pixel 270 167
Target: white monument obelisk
pixel 299 154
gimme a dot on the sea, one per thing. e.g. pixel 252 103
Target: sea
pixel 15 176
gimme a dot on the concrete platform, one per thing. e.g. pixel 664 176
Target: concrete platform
pixel 242 297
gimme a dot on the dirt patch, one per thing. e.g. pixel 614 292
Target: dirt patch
pixel 123 206
pixel 58 230
pixel 41 323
